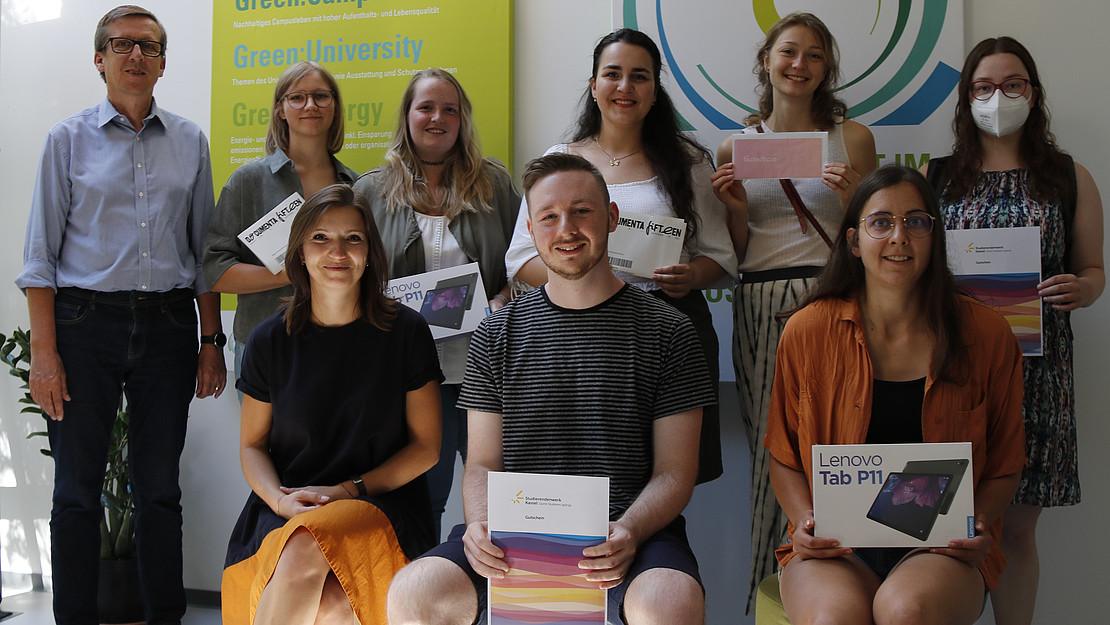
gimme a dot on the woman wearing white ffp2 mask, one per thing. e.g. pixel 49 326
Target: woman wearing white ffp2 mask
pixel 1007 171
pixel 1005 110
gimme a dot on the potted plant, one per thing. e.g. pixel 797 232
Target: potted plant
pixel 119 600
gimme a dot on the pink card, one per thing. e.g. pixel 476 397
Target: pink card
pixel 779 154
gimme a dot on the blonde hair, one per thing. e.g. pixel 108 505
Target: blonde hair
pixel 468 186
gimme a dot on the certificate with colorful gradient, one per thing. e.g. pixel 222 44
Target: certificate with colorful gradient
pixel 1001 267
pixel 542 523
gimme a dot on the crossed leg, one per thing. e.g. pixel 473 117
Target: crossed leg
pixel 303 589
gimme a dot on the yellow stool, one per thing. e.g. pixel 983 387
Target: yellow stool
pixel 768 603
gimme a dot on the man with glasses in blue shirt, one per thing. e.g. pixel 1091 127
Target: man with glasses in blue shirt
pixel 115 236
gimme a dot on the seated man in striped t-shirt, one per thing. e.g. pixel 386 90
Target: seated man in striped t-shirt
pixel 582 376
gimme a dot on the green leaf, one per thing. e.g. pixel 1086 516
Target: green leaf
pixel 105 542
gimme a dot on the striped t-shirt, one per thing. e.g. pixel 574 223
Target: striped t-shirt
pixel 579 390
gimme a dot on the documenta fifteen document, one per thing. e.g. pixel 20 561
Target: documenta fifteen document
pixel 643 243
pixel 268 237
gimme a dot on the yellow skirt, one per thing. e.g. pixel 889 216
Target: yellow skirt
pixel 358 542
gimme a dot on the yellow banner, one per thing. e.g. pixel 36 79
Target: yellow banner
pixel 373 47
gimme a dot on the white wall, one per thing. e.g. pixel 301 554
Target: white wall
pixel 553 45
pixel 1063 38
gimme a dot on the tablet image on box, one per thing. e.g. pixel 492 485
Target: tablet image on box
pixel 468 280
pixel 445 307
pixel 445 298
pixel 955 468
pixel 910 502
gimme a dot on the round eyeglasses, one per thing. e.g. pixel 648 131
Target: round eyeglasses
pixel 1012 88
pixel 299 99
pixel 124 45
pixel 880 225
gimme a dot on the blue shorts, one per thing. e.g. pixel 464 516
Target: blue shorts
pixel 668 549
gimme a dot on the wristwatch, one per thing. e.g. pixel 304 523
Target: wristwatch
pixel 357 480
pixel 218 339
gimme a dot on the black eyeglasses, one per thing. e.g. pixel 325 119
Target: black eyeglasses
pixel 880 225
pixel 299 99
pixel 124 45
pixel 1012 88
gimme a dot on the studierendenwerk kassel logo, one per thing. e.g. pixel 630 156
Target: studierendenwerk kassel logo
pixel 886 47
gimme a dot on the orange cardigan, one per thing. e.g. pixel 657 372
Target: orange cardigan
pixel 823 387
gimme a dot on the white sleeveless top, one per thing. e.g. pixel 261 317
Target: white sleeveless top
pixel 775 239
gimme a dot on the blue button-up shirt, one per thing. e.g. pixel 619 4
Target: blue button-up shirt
pixel 115 209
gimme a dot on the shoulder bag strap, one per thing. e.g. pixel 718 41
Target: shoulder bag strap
pixel 800 209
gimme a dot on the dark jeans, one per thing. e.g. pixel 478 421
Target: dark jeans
pixel 145 346
pixel 442 474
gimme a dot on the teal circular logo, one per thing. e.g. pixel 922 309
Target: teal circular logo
pixel 908 40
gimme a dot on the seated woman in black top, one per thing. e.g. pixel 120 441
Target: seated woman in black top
pixel 340 422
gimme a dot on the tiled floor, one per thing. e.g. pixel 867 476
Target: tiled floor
pixel 33 608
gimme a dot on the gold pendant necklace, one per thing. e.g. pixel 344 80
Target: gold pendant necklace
pixel 615 161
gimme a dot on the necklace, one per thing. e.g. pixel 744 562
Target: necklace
pixel 435 163
pixel 615 161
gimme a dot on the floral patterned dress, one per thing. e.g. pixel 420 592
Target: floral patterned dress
pixel 1000 199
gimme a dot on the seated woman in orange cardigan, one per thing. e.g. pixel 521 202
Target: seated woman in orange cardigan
pixel 885 350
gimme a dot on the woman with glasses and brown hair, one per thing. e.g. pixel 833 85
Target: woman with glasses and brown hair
pixel 305 133
pixel 628 128
pixel 340 421
pixel 1007 171
pixel 885 350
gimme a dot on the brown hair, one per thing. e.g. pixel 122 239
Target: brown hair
pixel 374 305
pixel 277 135
pixel 1045 162
pixel 844 277
pixel 539 168
pixel 468 185
pixel 826 106
pixel 100 37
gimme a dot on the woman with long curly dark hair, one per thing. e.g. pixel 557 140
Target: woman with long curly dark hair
pixel 628 129
pixel 1007 171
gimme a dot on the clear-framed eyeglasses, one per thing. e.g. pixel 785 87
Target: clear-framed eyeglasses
pixel 299 99
pixel 124 45
pixel 880 225
pixel 1012 88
